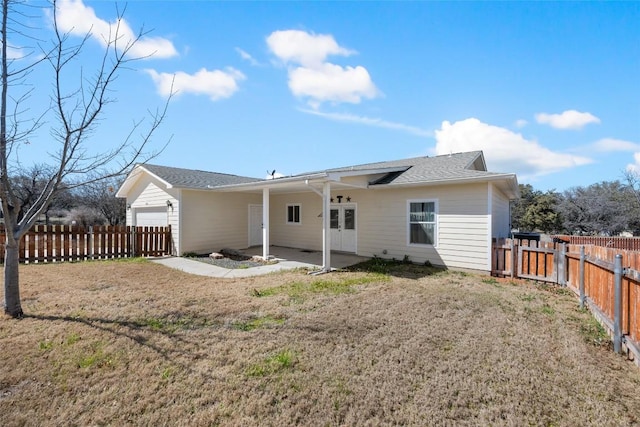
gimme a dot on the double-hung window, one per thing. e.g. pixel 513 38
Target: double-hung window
pixel 422 222
pixel 293 214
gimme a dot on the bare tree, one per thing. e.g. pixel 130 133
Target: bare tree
pixel 101 197
pixel 27 186
pixel 76 114
pixel 633 182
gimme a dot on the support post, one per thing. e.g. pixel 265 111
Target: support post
pixel 617 316
pixel 326 227
pixel 581 284
pixel 265 224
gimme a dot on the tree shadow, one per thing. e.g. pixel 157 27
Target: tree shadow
pixel 142 332
pixel 395 268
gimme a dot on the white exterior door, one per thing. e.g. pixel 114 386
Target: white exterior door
pixel 343 228
pixel 255 225
pixel 151 217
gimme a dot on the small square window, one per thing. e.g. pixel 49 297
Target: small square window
pixel 293 214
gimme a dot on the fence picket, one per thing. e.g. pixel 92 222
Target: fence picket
pixel 75 243
pixel 591 275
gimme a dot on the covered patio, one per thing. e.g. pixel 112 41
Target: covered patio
pixel 288 259
pixel 306 256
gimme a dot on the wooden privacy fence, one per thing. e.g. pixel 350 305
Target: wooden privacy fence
pixel 607 280
pixel 626 243
pixel 74 243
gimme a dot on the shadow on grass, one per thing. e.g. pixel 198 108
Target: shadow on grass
pixel 402 269
pixel 143 331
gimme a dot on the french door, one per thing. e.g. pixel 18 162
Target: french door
pixel 343 228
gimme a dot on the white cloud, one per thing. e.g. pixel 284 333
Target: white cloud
pixel 570 119
pixel 334 83
pixel 306 49
pixel 371 122
pixel 312 77
pixel 505 151
pixel 612 144
pixel 635 167
pixel 216 84
pixel 520 123
pixel 76 18
pixel 247 57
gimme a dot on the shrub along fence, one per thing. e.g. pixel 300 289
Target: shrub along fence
pixel 74 243
pixel 607 281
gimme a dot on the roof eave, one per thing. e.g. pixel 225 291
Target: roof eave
pixel 510 179
pixel 133 176
pixel 301 179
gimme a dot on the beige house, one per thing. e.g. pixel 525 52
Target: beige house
pixel 443 209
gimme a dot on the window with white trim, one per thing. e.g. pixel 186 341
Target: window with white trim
pixel 422 215
pixel 293 214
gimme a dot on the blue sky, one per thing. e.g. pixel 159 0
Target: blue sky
pixel 550 91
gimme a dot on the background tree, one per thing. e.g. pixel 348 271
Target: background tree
pixel 101 196
pixel 29 185
pixel 605 208
pixel 77 105
pixel 518 208
pixel 542 215
pixel 536 211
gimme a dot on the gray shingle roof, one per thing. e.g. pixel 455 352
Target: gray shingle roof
pixel 195 179
pixel 467 165
pixel 442 168
pixel 458 166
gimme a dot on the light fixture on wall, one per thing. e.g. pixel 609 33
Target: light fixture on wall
pixel 169 204
pixel 128 206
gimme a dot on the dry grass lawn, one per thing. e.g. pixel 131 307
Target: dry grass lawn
pixel 135 343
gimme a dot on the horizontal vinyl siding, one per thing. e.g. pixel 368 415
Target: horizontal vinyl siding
pixel 305 235
pixel 212 221
pixel 462 232
pixel 501 222
pixel 150 193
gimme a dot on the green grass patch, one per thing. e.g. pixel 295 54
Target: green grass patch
pixel 491 281
pixel 171 324
pixel 72 338
pixel 258 323
pixel 131 260
pixel 95 357
pixel 548 310
pixel 282 360
pixel 297 291
pixel 594 333
pixel 45 345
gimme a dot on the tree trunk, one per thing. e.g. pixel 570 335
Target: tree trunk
pixel 12 305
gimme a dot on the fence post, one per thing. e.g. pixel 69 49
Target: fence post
pixel 617 314
pixel 582 295
pixel 513 258
pixel 562 271
pixel 90 240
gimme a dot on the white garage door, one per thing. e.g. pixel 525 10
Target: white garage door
pixel 151 217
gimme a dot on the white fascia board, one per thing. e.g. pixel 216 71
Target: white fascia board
pixel 271 183
pixel 510 179
pixel 336 176
pixel 133 176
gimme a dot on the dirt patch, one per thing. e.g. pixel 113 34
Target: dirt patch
pixel 136 343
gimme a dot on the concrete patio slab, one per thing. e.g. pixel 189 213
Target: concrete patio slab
pixel 288 259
